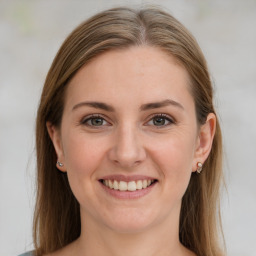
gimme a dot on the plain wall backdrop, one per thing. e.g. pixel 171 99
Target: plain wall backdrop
pixel 31 33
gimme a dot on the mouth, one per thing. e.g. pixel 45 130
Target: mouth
pixel 131 186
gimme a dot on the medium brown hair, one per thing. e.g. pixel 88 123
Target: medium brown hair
pixel 57 214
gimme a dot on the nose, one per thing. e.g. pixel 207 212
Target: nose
pixel 127 150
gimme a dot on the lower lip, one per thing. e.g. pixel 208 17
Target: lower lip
pixel 128 194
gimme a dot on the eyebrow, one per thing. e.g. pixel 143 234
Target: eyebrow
pixel 144 107
pixel 160 104
pixel 94 104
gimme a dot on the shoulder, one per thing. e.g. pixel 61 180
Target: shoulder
pixel 27 254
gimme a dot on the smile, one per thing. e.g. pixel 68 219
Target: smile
pixel 127 186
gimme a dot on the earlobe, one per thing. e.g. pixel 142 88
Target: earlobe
pixel 55 136
pixel 205 139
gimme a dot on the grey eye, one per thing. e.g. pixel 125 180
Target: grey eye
pixel 97 121
pixel 159 121
pixel 94 121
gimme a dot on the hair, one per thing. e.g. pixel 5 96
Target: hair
pixel 57 212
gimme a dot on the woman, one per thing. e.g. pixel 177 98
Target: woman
pixel 127 117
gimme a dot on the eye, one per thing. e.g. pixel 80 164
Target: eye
pixel 160 120
pixel 94 121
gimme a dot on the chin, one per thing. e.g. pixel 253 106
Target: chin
pixel 130 222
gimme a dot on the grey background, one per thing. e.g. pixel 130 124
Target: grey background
pixel 30 35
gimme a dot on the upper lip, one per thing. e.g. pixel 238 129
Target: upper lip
pixel 120 177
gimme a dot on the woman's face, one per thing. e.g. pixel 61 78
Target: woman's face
pixel 129 120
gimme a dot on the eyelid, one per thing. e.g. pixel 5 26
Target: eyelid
pixel 166 116
pixel 101 116
pixel 91 116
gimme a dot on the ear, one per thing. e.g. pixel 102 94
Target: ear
pixel 204 140
pixel 55 136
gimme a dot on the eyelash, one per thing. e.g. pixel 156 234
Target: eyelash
pixel 162 116
pixel 97 116
pixel 90 118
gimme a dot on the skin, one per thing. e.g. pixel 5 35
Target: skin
pixel 130 141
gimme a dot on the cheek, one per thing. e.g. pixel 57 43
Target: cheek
pixel 82 157
pixel 176 152
pixel 82 153
pixel 174 157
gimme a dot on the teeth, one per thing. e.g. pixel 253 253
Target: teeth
pixel 122 186
pixel 131 185
pixel 115 185
pixel 127 186
pixel 139 184
pixel 144 183
pixel 110 184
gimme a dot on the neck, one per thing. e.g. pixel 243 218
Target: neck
pixel 160 239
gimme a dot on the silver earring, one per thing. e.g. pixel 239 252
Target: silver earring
pixel 199 167
pixel 60 164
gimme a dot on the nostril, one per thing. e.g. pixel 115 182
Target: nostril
pixel 127 152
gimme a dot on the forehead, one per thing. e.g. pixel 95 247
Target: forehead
pixel 140 73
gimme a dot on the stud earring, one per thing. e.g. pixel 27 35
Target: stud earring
pixel 60 164
pixel 199 167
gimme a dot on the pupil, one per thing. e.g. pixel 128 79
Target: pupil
pixel 97 121
pixel 159 121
